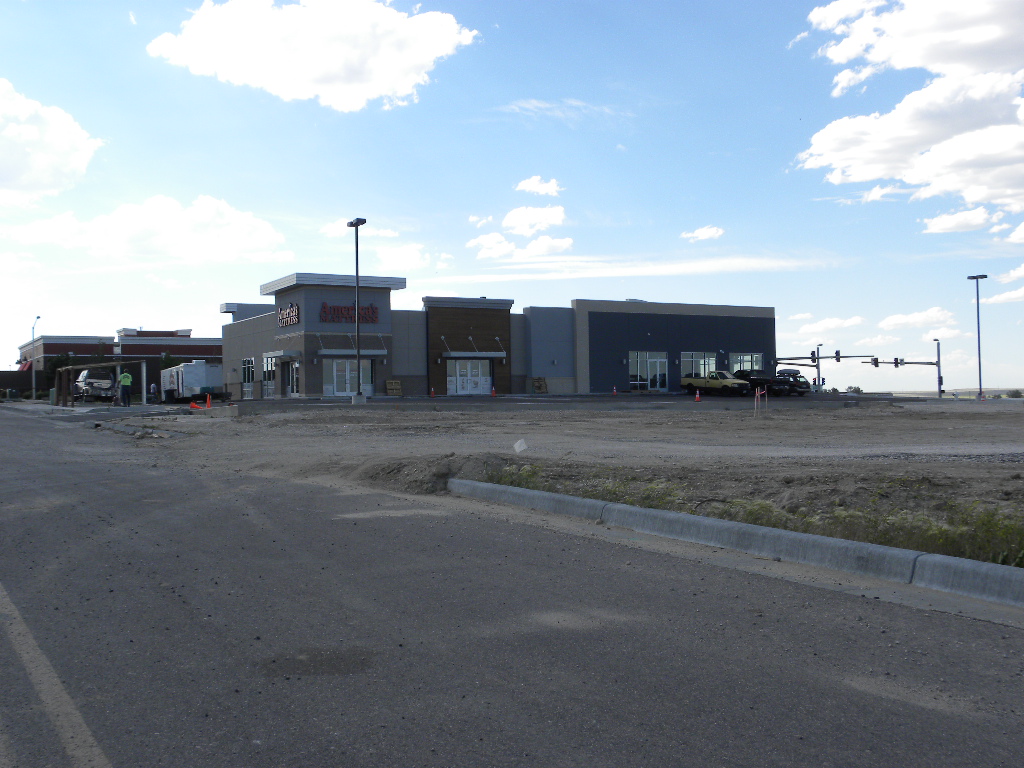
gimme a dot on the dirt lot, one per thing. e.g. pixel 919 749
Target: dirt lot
pixel 946 477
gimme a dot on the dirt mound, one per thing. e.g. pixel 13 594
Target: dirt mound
pixel 428 474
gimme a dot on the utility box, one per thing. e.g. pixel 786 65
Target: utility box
pixel 192 381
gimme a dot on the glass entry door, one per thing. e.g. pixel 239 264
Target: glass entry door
pixel 340 377
pixel 289 378
pixel 657 375
pixel 469 377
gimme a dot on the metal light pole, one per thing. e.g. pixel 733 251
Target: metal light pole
pixel 356 224
pixel 817 363
pixel 977 303
pixel 938 364
pixel 33 353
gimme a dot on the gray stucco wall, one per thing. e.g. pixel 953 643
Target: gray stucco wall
pixel 247 338
pixel 551 341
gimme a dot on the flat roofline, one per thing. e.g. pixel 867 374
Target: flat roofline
pixel 465 303
pixel 299 279
pixel 664 308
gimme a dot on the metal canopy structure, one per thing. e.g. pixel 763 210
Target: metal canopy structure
pixel 64 381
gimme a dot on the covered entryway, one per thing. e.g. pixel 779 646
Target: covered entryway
pixel 340 377
pixel 470 377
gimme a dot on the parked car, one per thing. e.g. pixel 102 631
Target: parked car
pixel 798 383
pixel 95 382
pixel 721 382
pixel 775 385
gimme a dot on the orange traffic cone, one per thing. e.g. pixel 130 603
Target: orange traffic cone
pixel 432 392
pixel 493 392
pixel 697 398
pixel 209 400
pixel 615 390
pixel 195 405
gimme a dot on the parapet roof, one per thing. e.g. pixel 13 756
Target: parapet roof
pixel 299 279
pixel 454 301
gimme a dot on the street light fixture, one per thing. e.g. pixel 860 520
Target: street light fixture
pixel 356 224
pixel 977 303
pixel 33 353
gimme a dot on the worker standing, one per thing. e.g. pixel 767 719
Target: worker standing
pixel 126 389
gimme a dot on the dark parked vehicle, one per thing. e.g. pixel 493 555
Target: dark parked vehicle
pixel 775 385
pixel 798 383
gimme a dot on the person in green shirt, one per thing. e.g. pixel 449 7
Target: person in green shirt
pixel 126 389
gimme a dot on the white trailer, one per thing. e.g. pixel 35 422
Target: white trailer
pixel 192 381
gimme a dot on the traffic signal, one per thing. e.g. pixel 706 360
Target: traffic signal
pixel 837 355
pixel 874 361
pixel 895 362
pixel 814 357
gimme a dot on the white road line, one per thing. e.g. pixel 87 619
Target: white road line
pixel 78 742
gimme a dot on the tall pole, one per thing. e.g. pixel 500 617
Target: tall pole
pixel 938 364
pixel 817 363
pixel 356 224
pixel 977 304
pixel 33 353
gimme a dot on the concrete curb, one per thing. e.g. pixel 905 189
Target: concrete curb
pixel 987 581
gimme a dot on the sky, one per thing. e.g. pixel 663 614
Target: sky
pixel 850 163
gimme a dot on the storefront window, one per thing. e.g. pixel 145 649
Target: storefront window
pixel 696 364
pixel 648 371
pixel 746 361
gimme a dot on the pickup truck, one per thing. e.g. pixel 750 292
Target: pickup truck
pixel 775 385
pixel 720 382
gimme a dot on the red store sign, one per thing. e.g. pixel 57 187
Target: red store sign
pixel 346 313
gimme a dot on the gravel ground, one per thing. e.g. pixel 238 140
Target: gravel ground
pixel 920 457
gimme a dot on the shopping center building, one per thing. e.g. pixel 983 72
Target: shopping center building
pixel 304 344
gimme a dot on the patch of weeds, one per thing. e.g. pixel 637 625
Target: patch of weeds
pixel 526 476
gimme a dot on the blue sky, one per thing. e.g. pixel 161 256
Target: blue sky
pixel 849 163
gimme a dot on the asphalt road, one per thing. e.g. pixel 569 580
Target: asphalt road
pixel 160 616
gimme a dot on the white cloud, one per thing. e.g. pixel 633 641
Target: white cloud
pixel 580 267
pixel 492 246
pixel 945 333
pixel 495 246
pixel 161 231
pixel 1017 236
pixel 703 233
pixel 538 187
pixel 801 316
pixel 570 111
pixel 376 232
pixel 831 324
pixel 480 221
pixel 131 18
pixel 546 246
pixel 1013 274
pixel 935 316
pixel 527 221
pixel 345 54
pixel 43 150
pixel 962 133
pixel 399 259
pixel 881 340
pixel 963 221
pixel 1004 298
